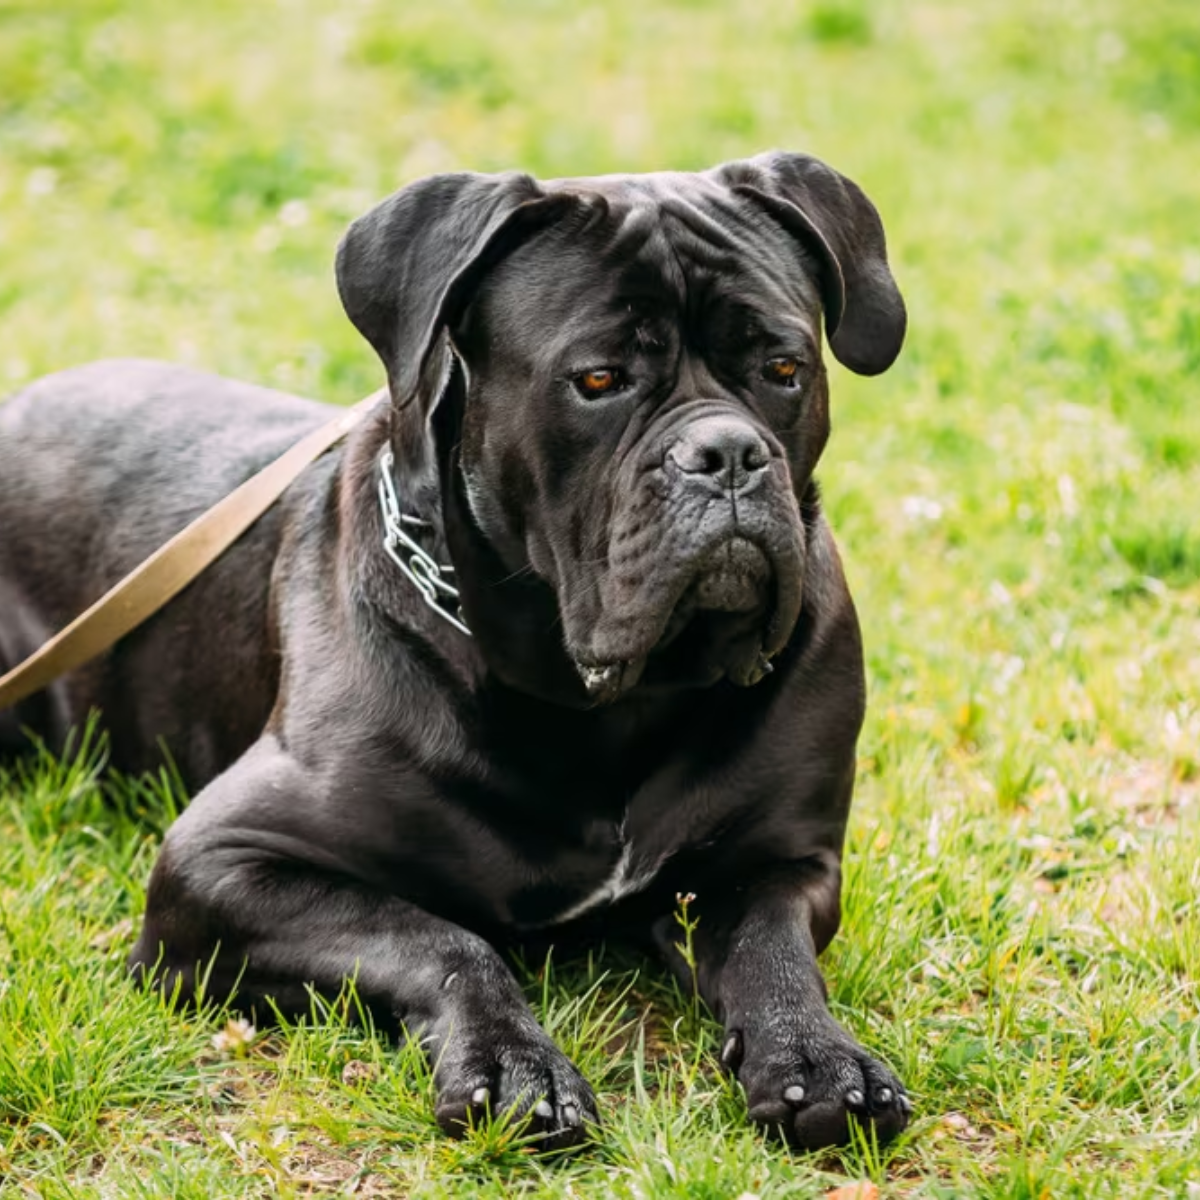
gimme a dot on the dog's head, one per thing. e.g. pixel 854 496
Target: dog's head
pixel 641 398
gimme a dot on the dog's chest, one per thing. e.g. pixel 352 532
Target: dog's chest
pixel 610 867
pixel 627 877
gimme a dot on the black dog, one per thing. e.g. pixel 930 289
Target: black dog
pixel 607 401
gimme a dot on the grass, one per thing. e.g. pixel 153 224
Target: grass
pixel 1015 501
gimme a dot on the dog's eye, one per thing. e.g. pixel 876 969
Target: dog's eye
pixel 784 370
pixel 599 381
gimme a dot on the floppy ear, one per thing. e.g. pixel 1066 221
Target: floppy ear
pixel 864 311
pixel 406 270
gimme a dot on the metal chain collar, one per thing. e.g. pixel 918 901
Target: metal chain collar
pixel 424 573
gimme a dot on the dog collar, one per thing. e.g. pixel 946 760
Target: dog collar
pixel 423 572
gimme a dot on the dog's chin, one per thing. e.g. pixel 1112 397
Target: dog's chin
pixel 717 629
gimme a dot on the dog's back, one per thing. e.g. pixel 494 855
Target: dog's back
pixel 99 466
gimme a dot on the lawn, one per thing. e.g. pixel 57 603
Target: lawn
pixel 1016 501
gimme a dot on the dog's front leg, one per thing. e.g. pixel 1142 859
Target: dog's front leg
pixel 238 899
pixel 755 957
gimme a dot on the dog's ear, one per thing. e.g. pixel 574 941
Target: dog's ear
pixel 864 311
pixel 406 270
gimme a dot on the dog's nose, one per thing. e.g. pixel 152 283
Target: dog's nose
pixel 725 450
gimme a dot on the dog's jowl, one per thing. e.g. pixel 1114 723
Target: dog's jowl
pixel 607 655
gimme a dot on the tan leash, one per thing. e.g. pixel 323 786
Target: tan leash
pixel 173 565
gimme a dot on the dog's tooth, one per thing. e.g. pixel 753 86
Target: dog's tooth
pixel 598 679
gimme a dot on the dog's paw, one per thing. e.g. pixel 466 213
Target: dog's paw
pixel 520 1074
pixel 806 1086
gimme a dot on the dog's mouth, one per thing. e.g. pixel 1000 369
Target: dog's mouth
pixel 734 578
pixel 721 625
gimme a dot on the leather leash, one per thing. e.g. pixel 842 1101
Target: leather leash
pixel 174 564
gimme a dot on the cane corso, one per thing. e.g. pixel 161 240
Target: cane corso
pixel 558 634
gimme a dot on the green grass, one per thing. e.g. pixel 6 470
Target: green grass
pixel 1016 502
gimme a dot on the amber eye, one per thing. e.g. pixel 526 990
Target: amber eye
pixel 783 370
pixel 599 381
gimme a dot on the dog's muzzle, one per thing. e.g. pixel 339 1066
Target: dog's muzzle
pixel 706 559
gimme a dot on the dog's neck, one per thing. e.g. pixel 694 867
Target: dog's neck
pixel 513 618
pixel 512 613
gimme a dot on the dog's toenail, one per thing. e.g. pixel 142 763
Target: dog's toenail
pixel 731 1051
pixel 544 1109
pixel 905 1102
pixel 854 1098
pixel 885 1095
pixel 570 1114
pixel 793 1094
pixel 480 1096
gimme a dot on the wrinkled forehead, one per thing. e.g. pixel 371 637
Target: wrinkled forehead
pixel 651 249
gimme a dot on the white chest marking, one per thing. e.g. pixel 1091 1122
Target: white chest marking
pixel 620 883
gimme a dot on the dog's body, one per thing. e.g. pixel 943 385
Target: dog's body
pixel 607 405
pixel 115 458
